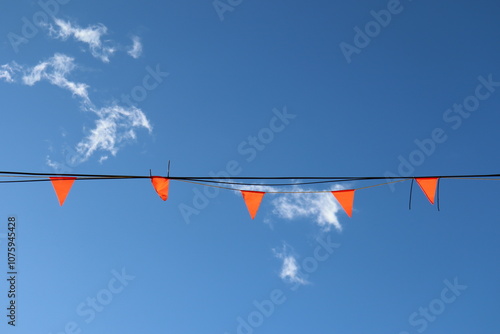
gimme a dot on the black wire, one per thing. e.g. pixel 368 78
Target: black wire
pixel 79 179
pixel 27 181
pixel 411 191
pixel 73 175
pixel 267 184
pixel 250 177
pixel 439 209
pixel 348 178
pixel 229 180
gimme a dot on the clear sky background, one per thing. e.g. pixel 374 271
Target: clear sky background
pixel 362 88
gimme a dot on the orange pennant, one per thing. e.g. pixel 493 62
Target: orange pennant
pixel 346 199
pixel 428 186
pixel 62 186
pixel 161 186
pixel 252 200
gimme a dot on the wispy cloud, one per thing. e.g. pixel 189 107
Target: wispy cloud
pixel 53 164
pixel 115 124
pixel 91 35
pixel 55 70
pixel 135 51
pixel 7 71
pixel 103 158
pixel 289 268
pixel 321 207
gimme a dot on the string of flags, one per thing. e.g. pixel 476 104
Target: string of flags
pixel 62 184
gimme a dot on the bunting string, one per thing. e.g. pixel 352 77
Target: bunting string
pixel 430 185
pixel 218 179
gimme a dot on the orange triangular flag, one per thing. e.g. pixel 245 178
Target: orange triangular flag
pixel 62 186
pixel 428 186
pixel 252 200
pixel 161 186
pixel 346 199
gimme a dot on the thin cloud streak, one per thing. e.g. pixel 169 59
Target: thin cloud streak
pixel 92 36
pixel 135 50
pixel 55 70
pixel 53 164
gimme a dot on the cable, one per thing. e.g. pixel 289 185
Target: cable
pixel 227 182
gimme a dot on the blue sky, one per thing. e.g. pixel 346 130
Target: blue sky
pixel 251 88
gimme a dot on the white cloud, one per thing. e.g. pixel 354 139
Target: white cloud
pixel 322 207
pixel 6 75
pixel 54 164
pixel 135 50
pixel 92 36
pixel 103 158
pixel 55 70
pixel 7 71
pixel 289 269
pixel 115 125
